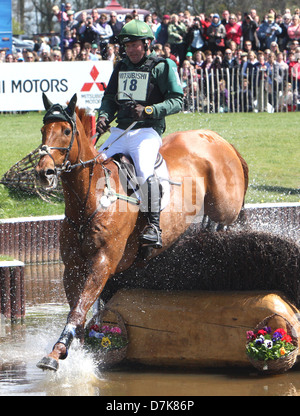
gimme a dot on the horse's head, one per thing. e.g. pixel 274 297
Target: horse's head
pixel 58 134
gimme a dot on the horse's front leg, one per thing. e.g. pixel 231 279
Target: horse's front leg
pixel 98 271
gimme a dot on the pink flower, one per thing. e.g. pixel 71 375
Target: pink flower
pixel 105 328
pixel 250 335
pixel 116 330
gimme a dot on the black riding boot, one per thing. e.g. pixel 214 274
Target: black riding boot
pixel 151 235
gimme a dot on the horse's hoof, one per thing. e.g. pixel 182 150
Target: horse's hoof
pixel 48 363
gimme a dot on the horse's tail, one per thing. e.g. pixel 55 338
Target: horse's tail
pixel 245 168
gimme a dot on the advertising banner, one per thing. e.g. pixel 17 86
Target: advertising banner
pixel 22 84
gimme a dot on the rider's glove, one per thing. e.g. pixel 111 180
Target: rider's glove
pixel 138 112
pixel 102 126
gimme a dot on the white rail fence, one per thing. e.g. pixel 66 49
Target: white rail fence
pixel 235 90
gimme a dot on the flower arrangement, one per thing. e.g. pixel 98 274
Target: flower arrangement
pixel 264 345
pixel 105 338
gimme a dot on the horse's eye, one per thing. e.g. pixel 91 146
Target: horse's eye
pixel 67 132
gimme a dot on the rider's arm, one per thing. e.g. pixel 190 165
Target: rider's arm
pixel 169 84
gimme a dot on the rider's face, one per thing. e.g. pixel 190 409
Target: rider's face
pixel 135 51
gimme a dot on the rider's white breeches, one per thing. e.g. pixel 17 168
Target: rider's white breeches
pixel 142 145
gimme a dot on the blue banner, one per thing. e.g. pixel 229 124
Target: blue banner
pixel 6 26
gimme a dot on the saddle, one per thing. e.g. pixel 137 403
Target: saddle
pixel 129 180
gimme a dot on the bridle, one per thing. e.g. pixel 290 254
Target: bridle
pixel 58 113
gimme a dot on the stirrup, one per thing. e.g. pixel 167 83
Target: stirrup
pixel 153 238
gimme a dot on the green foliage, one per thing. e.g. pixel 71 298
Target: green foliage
pixel 5 258
pixel 16 29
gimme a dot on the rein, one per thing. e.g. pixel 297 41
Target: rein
pixel 66 166
pixel 57 112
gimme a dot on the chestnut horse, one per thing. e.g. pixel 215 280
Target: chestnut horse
pixel 97 242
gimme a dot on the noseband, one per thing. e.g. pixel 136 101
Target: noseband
pixel 57 113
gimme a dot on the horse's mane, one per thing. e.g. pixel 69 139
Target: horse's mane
pixel 85 121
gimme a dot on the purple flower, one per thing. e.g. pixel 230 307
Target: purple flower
pixel 267 329
pixel 99 335
pixel 260 340
pixel 276 336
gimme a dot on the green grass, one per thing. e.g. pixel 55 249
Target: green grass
pixel 269 143
pixel 6 258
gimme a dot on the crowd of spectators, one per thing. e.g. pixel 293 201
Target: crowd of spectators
pixel 196 43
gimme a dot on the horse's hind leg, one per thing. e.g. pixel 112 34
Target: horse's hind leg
pixel 209 225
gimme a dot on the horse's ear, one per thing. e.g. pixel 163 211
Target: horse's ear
pixel 46 101
pixel 72 105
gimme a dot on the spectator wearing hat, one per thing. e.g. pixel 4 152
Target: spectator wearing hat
pixel 116 27
pixel 216 35
pixel 94 52
pixel 161 34
pixel 189 57
pixel 268 32
pixel 72 23
pixel 195 36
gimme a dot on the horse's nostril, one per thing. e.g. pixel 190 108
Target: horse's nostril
pixel 49 172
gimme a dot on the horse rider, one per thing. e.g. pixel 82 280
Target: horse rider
pixel 143 88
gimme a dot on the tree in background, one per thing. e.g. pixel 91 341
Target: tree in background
pixel 44 22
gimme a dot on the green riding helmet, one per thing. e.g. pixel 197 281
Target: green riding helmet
pixel 135 30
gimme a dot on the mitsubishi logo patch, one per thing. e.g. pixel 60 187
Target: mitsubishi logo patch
pixel 87 86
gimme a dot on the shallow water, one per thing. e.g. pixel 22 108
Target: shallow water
pixel 23 345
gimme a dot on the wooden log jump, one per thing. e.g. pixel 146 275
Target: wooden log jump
pixel 195 328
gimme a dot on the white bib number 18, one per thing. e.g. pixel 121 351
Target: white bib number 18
pixel 133 84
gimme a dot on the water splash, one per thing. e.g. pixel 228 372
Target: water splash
pixel 75 376
pixel 26 345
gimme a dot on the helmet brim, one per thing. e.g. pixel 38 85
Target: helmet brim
pixel 125 38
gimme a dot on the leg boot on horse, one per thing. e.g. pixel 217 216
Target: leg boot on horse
pixel 151 235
